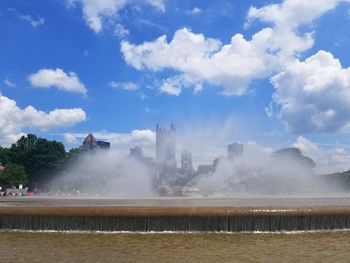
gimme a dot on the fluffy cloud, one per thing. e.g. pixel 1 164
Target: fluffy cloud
pixel 48 78
pixel 314 95
pixel 70 138
pixel 13 120
pixel 95 11
pixel 204 59
pixel 233 65
pixel 292 13
pixel 308 148
pixel 173 85
pixel 327 161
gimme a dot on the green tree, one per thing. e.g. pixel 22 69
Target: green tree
pixel 74 153
pixel 13 175
pixel 5 157
pixel 41 158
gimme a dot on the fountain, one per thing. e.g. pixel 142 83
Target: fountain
pixel 257 192
pixel 175 214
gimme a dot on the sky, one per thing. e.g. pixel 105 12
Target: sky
pixel 267 73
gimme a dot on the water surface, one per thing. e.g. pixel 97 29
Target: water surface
pixel 170 247
pixel 234 201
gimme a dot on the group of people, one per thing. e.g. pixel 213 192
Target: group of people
pixel 19 191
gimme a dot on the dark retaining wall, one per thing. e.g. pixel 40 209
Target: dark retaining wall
pixel 175 219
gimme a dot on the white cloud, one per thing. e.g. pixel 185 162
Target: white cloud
pixel 9 83
pixel 48 78
pixel 130 86
pixel 314 95
pixel 170 88
pixel 121 31
pixel 233 65
pixel 327 161
pixel 144 136
pixel 70 138
pixel 308 148
pixel 13 120
pixel 34 22
pixel 173 85
pixel 292 13
pixel 194 11
pixel 95 11
pixel 159 4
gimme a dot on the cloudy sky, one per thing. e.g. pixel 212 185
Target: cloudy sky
pixel 268 73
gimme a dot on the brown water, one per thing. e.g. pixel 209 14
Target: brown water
pixel 234 201
pixel 136 247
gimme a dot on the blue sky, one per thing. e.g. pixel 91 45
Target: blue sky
pixel 270 73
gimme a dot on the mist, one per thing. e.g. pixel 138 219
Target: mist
pixel 258 172
pixel 104 173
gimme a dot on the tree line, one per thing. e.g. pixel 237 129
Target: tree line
pixel 32 161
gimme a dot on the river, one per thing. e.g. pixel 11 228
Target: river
pixel 174 247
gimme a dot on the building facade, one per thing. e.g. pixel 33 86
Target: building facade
pixel 186 161
pixel 90 143
pixel 165 144
pixel 165 154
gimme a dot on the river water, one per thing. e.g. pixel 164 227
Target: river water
pixel 171 247
pixel 233 201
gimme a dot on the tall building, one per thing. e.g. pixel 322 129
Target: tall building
pixel 136 152
pixel 186 161
pixel 91 143
pixel 165 154
pixel 165 144
pixel 234 150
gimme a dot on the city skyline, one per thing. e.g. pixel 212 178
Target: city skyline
pixel 253 72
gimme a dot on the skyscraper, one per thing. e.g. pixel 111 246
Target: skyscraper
pixel 186 161
pixel 136 152
pixel 165 145
pixel 165 154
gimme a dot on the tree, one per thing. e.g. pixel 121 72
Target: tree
pixel 73 154
pixel 41 158
pixel 5 157
pixel 13 175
